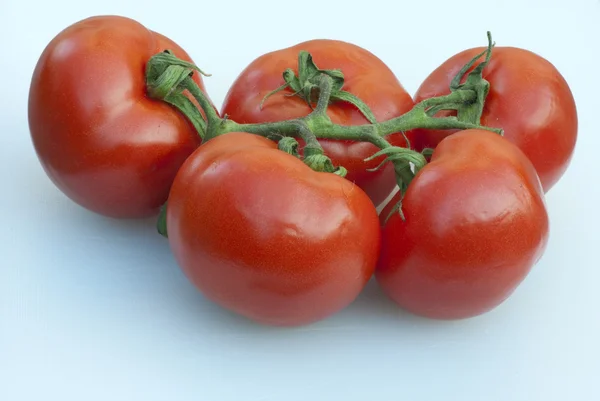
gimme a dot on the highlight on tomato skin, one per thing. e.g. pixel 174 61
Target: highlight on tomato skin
pixel 476 223
pixel 528 98
pixel 262 235
pixel 365 76
pixel 102 142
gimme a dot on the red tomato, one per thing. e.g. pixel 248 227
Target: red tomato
pixel 100 139
pixel 528 98
pixel 261 234
pixel 366 76
pixel 476 223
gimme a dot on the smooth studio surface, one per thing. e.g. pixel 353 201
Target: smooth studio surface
pixel 97 309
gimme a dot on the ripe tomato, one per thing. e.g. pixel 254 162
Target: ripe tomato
pixel 261 234
pixel 476 223
pixel 528 98
pixel 366 77
pixel 100 139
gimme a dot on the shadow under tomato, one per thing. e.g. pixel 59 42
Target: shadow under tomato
pixel 374 304
pixel 123 270
pixel 134 266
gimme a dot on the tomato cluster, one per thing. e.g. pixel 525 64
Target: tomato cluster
pixel 264 233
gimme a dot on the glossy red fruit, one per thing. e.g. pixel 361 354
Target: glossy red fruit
pixel 476 223
pixel 261 234
pixel 99 137
pixel 528 98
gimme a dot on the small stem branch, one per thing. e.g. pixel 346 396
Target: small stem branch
pixel 184 105
pixel 325 87
pixel 404 174
pixel 312 145
pixel 454 98
pixel 213 120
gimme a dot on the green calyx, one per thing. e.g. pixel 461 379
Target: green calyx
pixel 306 86
pixel 407 163
pixel 288 145
pixel 474 81
pixel 313 156
pixel 166 79
pixel 322 163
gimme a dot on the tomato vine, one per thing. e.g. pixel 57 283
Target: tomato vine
pixel 168 77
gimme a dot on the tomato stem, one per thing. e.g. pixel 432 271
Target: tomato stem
pixel 474 81
pixel 161 222
pixel 168 77
pixel 289 145
pixel 325 90
pixel 213 121
pixel 185 106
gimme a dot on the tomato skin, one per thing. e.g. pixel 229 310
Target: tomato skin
pixel 99 138
pixel 366 76
pixel 261 234
pixel 528 98
pixel 476 223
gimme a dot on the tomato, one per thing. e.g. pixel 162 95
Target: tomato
pixel 100 139
pixel 261 234
pixel 366 77
pixel 528 98
pixel 475 224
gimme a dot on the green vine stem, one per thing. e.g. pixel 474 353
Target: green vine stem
pixel 167 77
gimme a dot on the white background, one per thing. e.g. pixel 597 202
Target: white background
pixel 94 309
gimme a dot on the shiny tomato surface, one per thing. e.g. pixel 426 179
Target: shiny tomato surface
pixel 99 137
pixel 476 223
pixel 261 234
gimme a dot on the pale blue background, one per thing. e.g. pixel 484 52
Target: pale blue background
pixel 93 309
